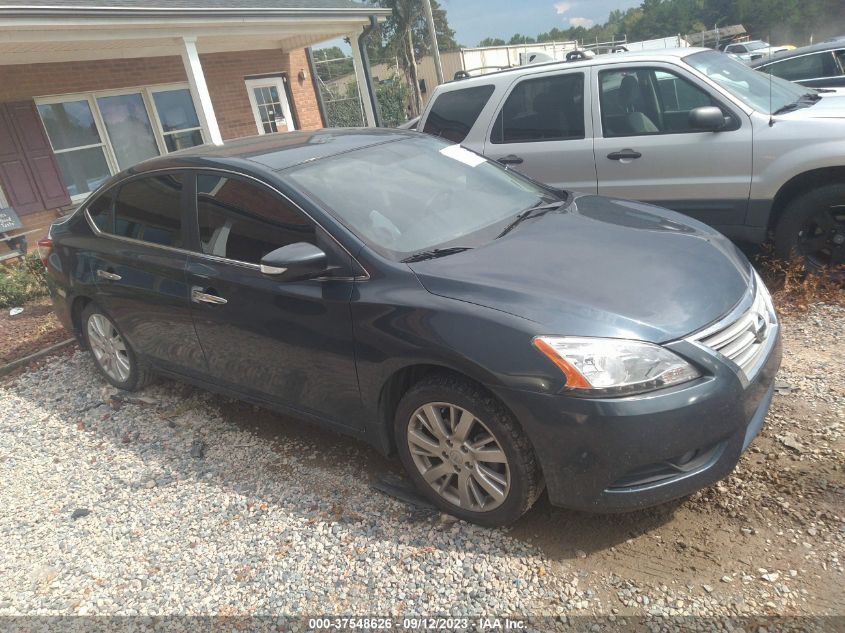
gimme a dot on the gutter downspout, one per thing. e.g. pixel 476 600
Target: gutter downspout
pixel 315 80
pixel 368 77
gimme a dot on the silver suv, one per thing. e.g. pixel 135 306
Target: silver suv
pixel 690 129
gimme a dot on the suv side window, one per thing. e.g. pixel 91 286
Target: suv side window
pixel 243 221
pixel 805 67
pixel 454 113
pixel 542 109
pixel 644 101
pixel 150 209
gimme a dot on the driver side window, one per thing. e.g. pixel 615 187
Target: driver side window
pixel 647 101
pixel 242 221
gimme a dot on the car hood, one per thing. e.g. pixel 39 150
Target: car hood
pixel 600 267
pixel 830 106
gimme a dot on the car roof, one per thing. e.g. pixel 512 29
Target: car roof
pixel 795 52
pixel 662 54
pixel 280 151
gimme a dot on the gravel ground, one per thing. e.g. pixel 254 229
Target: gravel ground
pixel 176 501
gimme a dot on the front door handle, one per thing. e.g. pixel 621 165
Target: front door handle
pixel 104 274
pixel 200 295
pixel 510 159
pixel 628 154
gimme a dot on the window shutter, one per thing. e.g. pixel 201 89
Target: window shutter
pixel 28 168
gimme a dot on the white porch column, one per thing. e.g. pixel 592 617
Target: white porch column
pixel 199 89
pixel 363 88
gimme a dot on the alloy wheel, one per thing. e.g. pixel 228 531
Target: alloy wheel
pixel 108 347
pixel 459 457
pixel 821 238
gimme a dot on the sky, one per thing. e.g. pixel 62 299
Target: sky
pixel 473 20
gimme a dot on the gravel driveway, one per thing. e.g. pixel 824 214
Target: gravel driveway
pixel 176 501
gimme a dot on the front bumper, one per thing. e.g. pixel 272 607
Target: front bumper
pixel 627 453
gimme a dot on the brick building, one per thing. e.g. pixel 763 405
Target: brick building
pixel 90 87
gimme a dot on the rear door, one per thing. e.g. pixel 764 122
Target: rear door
pixel 140 269
pixel 543 129
pixel 286 342
pixel 646 150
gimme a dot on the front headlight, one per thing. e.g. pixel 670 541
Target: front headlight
pixel 614 367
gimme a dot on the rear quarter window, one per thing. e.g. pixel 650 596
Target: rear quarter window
pixel 454 113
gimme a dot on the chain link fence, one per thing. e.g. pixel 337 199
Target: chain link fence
pixel 339 89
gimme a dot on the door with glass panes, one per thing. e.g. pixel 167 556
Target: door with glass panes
pixel 270 106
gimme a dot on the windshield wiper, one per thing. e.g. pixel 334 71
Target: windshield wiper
pixel 804 101
pixel 435 253
pixel 531 212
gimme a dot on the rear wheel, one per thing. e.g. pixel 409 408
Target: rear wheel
pixel 813 227
pixel 114 357
pixel 466 452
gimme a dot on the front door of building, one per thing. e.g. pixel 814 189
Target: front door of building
pixel 270 105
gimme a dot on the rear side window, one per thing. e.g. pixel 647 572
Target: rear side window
pixel 100 211
pixel 149 209
pixel 454 113
pixel 543 109
pixel 805 67
pixel 242 221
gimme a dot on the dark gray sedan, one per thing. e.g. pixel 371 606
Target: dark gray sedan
pixel 501 336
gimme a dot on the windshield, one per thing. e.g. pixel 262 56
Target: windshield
pixel 417 194
pixel 750 86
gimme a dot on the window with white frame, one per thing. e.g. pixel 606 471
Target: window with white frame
pixel 95 135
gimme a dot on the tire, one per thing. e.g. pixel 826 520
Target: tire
pixel 811 225
pixel 106 342
pixel 464 466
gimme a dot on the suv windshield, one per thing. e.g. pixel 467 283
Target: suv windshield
pixel 417 194
pixel 750 86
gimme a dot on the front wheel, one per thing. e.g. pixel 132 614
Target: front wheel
pixel 115 358
pixel 465 451
pixel 813 227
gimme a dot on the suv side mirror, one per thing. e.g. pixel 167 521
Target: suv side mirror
pixel 706 119
pixel 295 262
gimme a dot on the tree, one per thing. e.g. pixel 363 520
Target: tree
pixel 492 41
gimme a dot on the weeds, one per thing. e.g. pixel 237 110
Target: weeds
pixel 21 281
pixel 795 289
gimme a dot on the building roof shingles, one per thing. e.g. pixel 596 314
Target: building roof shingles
pixel 207 5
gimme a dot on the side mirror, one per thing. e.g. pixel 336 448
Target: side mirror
pixel 706 119
pixel 295 262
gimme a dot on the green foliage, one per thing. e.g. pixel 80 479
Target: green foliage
pixel 344 110
pixel 389 40
pixel 492 41
pixel 392 97
pixel 328 70
pixel 21 281
pixel 781 21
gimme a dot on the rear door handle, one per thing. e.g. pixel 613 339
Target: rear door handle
pixel 199 295
pixel 624 154
pixel 510 159
pixel 104 274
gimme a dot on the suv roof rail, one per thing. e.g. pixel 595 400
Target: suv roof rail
pixel 578 54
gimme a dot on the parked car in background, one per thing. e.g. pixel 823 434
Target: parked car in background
pixel 753 49
pixel 690 129
pixel 818 66
pixel 499 334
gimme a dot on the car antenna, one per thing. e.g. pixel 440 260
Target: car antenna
pixel 771 116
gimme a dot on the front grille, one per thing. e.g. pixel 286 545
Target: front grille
pixel 745 340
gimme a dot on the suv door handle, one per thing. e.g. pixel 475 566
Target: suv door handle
pixel 104 274
pixel 200 295
pixel 510 159
pixel 624 154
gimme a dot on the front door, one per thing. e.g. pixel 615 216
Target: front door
pixel 544 131
pixel 140 275
pixel 289 343
pixel 270 106
pixel 646 150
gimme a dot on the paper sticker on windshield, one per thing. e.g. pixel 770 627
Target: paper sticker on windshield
pixel 465 156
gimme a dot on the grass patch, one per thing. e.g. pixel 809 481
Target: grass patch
pixel 794 289
pixel 22 280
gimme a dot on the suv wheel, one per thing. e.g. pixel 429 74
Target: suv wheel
pixel 813 227
pixel 114 357
pixel 465 452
